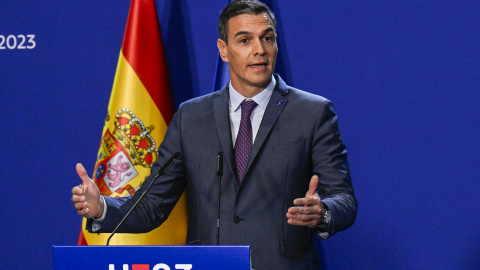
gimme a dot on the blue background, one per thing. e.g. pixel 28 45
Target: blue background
pixel 404 77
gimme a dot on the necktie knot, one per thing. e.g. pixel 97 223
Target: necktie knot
pixel 247 107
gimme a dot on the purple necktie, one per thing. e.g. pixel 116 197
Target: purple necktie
pixel 244 141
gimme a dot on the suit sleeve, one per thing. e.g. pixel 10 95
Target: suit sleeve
pixel 329 159
pixel 155 207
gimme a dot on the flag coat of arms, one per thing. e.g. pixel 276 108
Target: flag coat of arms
pixel 139 111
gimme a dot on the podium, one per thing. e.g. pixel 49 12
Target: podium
pixel 151 257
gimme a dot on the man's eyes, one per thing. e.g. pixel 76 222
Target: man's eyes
pixel 267 39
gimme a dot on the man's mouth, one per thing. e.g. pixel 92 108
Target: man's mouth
pixel 260 65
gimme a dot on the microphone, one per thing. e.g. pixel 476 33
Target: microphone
pixel 219 175
pixel 161 172
pixel 220 164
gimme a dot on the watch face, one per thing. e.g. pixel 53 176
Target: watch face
pixel 327 217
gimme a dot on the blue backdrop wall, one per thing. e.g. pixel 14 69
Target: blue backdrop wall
pixel 404 77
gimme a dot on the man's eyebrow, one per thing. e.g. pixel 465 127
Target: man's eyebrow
pixel 268 30
pixel 241 33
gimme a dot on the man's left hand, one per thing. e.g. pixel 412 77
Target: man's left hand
pixel 307 211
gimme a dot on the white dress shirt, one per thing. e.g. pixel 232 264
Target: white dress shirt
pixel 235 110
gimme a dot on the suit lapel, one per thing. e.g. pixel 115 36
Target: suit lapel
pixel 272 112
pixel 220 107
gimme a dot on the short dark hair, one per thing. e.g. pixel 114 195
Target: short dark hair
pixel 239 7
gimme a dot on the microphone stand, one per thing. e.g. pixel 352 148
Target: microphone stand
pixel 219 175
pixel 161 172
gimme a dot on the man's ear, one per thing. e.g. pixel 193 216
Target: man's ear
pixel 222 49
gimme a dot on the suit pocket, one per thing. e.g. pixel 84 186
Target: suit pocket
pixel 299 250
pixel 298 144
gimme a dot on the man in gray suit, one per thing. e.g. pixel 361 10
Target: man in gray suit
pixel 286 177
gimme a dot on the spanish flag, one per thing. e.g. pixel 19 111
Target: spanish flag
pixel 139 111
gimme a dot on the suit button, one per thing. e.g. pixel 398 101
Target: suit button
pixel 237 219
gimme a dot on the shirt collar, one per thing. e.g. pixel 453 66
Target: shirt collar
pixel 261 98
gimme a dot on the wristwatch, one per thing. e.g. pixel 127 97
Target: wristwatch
pixel 327 216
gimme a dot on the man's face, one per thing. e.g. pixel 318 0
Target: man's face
pixel 251 51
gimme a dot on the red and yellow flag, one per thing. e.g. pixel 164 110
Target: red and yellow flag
pixel 139 112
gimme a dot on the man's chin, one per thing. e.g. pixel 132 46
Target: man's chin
pixel 261 80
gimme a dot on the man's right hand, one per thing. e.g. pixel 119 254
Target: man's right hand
pixel 86 197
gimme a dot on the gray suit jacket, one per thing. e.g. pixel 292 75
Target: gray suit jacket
pixel 298 137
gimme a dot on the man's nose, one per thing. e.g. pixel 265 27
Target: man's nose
pixel 258 47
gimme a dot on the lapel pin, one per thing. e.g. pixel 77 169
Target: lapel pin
pixel 279 102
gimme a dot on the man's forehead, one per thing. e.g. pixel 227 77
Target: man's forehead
pixel 243 21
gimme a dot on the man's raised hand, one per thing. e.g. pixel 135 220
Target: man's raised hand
pixel 307 211
pixel 86 196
